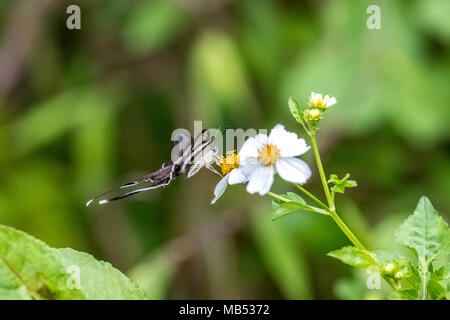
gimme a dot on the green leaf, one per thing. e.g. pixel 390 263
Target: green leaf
pixel 29 269
pixel 408 294
pixel 296 111
pixel 282 208
pixel 294 197
pixel 414 280
pixel 442 274
pixel 439 281
pixel 385 257
pixel 341 184
pixel 355 257
pixel 425 232
pixel 436 291
pixel 428 235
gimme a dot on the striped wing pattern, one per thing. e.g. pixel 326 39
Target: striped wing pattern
pixel 189 160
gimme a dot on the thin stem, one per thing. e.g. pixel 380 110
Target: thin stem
pixel 332 208
pixel 330 198
pixel 346 230
pixel 322 173
pixel 423 295
pixel 311 196
pixel 277 196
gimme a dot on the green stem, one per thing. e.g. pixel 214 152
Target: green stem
pixel 330 199
pixel 322 173
pixel 332 208
pixel 346 230
pixel 312 197
pixel 277 196
pixel 423 295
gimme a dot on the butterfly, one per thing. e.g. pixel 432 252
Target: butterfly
pixel 192 155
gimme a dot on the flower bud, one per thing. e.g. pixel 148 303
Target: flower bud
pixel 388 268
pixel 313 114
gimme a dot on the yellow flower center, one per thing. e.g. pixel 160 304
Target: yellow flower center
pixel 269 154
pixel 319 103
pixel 230 162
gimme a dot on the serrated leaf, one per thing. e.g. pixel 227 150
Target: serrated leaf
pixel 29 269
pixel 296 111
pixel 353 256
pixel 426 232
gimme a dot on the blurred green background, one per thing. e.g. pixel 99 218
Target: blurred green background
pixel 83 110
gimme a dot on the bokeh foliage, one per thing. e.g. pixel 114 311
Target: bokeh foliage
pixel 83 110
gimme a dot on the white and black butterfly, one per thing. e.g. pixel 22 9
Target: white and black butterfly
pixel 191 156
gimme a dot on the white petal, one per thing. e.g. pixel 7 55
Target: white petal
pixel 261 180
pixel 251 146
pixel 220 188
pixel 237 176
pixel 288 142
pixel 261 139
pixel 330 101
pixel 249 167
pixel 314 97
pixel 293 170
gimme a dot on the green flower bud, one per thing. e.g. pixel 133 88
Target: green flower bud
pixel 313 114
pixel 389 267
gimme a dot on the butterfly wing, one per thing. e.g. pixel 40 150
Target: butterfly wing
pixel 184 160
pixel 207 157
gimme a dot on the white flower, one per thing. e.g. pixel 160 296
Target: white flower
pixel 262 155
pixel 316 100
pixel 233 174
